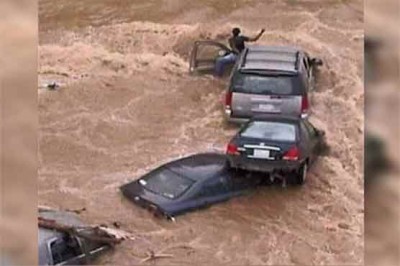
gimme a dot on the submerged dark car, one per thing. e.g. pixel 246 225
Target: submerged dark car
pixel 187 184
pixel 282 146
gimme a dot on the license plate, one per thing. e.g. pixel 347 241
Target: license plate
pixel 262 154
pixel 266 107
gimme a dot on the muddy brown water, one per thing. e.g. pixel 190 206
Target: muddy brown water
pixel 127 104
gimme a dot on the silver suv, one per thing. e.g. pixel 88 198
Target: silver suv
pixel 270 79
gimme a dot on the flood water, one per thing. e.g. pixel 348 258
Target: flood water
pixel 127 104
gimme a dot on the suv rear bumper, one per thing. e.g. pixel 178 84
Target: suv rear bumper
pixel 261 165
pixel 236 120
pixel 241 120
pixel 229 118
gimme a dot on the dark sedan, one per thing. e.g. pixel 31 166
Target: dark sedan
pixel 282 146
pixel 187 184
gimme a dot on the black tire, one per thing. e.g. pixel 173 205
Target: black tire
pixel 301 176
pixel 231 165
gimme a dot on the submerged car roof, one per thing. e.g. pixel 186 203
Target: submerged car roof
pixel 44 235
pixel 63 217
pixel 270 58
pixel 199 167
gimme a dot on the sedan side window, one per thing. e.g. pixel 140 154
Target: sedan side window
pixel 305 130
pixel 311 129
pixel 63 249
pixel 214 187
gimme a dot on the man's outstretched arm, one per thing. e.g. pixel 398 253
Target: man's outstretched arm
pixel 254 39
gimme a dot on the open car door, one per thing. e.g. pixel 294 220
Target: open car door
pixel 204 55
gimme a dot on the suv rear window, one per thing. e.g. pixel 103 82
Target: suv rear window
pixel 274 131
pixel 264 84
pixel 167 184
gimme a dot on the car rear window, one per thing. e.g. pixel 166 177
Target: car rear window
pixel 263 84
pixel 274 131
pixel 167 183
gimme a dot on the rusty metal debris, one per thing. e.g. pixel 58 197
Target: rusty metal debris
pixel 96 234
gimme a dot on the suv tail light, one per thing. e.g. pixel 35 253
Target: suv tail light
pixel 304 105
pixel 292 154
pixel 228 99
pixel 228 103
pixel 232 149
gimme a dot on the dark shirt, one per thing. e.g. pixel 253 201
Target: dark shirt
pixel 238 42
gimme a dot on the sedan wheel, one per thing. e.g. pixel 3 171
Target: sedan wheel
pixel 302 174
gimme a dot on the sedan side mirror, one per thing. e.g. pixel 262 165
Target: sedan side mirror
pixel 320 133
pixel 316 62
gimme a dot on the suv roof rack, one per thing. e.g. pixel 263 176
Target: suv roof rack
pixel 296 63
pixel 277 58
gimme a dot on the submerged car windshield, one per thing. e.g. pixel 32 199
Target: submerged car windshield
pixel 262 84
pixel 274 131
pixel 167 183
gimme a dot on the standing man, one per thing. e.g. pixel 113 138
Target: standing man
pixel 236 42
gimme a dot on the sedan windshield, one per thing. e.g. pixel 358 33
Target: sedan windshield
pixel 167 183
pixel 274 131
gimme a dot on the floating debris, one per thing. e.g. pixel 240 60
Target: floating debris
pixel 50 85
